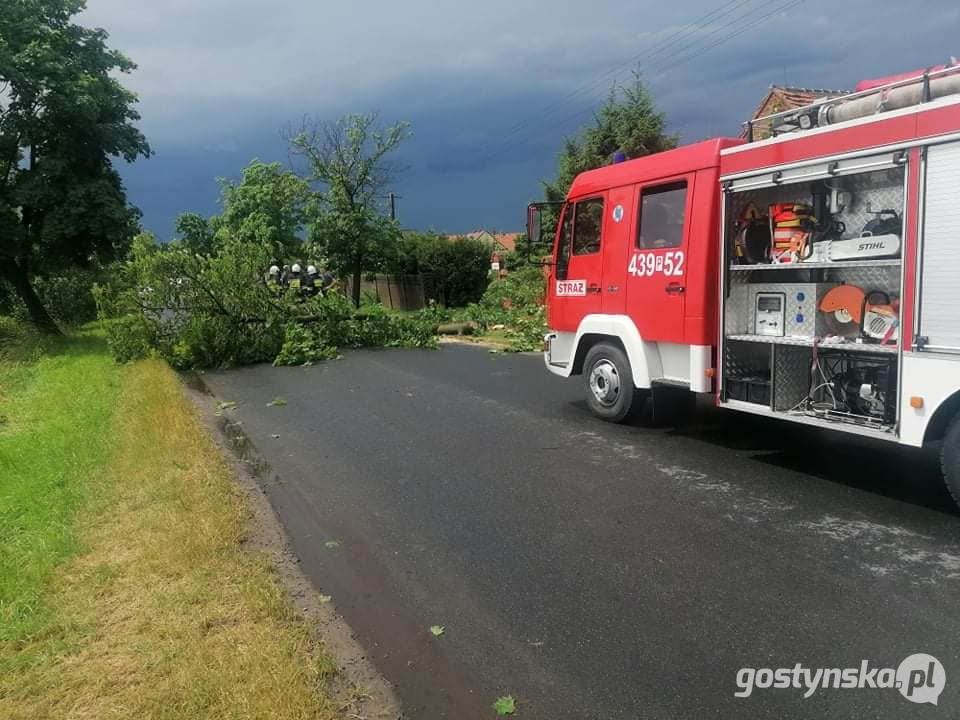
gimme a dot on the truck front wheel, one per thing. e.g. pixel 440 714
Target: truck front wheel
pixel 609 382
pixel 950 459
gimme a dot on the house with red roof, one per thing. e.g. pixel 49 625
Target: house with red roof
pixel 780 98
pixel 501 243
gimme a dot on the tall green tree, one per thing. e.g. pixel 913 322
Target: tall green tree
pixel 349 160
pixel 270 206
pixel 459 266
pixel 64 117
pixel 628 122
pixel 195 233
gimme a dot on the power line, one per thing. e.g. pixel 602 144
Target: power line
pixel 667 62
pixel 664 60
pixel 759 21
pixel 657 46
pixel 646 55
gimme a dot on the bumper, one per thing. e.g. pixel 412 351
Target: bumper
pixel 556 354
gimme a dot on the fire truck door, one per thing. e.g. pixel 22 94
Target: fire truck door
pixel 576 289
pixel 657 268
pixel 617 249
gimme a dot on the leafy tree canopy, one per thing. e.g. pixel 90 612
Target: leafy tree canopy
pixel 629 122
pixel 349 161
pixel 459 267
pixel 195 233
pixel 63 117
pixel 270 206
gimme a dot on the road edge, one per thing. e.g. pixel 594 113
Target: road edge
pixel 491 345
pixel 357 685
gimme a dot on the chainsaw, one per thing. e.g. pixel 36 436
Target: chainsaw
pixel 865 247
pixel 880 238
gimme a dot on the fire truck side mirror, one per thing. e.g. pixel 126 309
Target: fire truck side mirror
pixel 539 250
pixel 533 228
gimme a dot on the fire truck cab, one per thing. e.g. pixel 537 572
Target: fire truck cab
pixel 812 276
pixel 635 268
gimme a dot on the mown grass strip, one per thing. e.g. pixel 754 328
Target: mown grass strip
pixel 53 442
pixel 161 612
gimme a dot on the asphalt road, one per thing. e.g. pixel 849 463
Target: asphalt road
pixel 592 570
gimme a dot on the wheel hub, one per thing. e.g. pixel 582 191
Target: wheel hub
pixel 605 382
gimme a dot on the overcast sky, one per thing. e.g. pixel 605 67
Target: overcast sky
pixel 491 88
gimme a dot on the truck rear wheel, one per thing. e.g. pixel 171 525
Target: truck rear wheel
pixel 950 459
pixel 609 382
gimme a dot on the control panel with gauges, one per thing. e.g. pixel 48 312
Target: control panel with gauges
pixel 769 314
pixel 787 309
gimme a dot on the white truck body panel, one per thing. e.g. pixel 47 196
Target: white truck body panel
pixel 649 361
pixel 933 377
pixel 939 316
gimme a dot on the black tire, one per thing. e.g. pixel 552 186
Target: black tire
pixel 608 382
pixel 950 459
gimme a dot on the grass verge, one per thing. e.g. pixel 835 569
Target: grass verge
pixel 125 589
pixel 52 443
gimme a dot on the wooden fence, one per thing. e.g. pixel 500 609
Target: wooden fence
pixel 399 292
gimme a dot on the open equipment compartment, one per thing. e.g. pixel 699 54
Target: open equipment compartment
pixel 810 300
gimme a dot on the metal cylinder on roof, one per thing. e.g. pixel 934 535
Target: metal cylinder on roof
pixel 893 99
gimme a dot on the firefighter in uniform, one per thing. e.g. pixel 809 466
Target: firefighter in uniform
pixel 266 276
pixel 273 279
pixel 311 285
pixel 295 281
pixel 327 281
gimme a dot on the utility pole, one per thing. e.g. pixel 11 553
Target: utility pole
pixel 393 204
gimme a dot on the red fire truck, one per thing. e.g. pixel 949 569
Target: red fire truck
pixel 812 276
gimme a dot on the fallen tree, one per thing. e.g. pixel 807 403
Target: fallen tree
pixel 214 310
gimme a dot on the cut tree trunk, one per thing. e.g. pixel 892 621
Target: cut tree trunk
pixel 15 275
pixel 464 328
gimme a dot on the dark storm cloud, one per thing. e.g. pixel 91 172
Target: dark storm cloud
pixel 491 88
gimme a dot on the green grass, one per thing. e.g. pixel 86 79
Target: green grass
pixel 126 589
pixel 55 411
pixel 501 337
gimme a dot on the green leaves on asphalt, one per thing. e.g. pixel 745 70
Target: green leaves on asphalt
pixel 226 405
pixel 277 402
pixel 505 705
pixel 325 599
pixel 438 630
